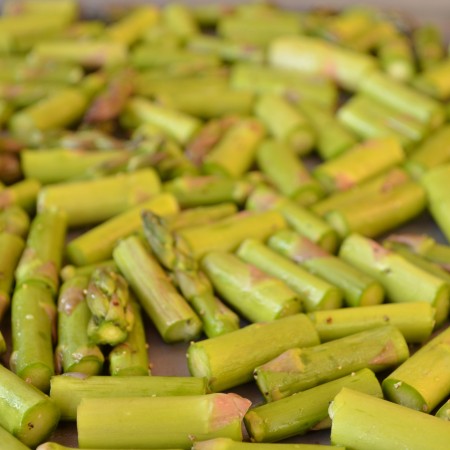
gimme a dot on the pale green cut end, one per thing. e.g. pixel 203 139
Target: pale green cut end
pixel 372 295
pixel 308 195
pixel 89 366
pixel 338 222
pixel 404 394
pixel 183 330
pixel 332 300
pixel 198 361
pixel 329 241
pixel 38 375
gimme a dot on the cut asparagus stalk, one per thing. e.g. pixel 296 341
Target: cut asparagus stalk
pixel 314 292
pixel 444 411
pixel 414 320
pixel 14 220
pixel 297 414
pixel 216 360
pixel 397 58
pixel 172 316
pixel 203 417
pixel 180 21
pixel 23 194
pixel 67 391
pixel 55 446
pixel 75 353
pixel 428 44
pixel 33 316
pixel 363 421
pixel 423 381
pixel 27 413
pixel 434 81
pixel 299 369
pixel 7 440
pixel 102 198
pixel 358 288
pixel 398 276
pixel 254 294
pixel 69 271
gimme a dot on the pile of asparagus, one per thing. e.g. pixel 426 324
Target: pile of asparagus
pixel 240 174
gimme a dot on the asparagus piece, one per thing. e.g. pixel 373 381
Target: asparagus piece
pixel 7 440
pixel 130 358
pixel 172 316
pixel 27 93
pixel 363 421
pixel 180 20
pixel 423 381
pixel 69 271
pixel 67 391
pixel 414 320
pixel 205 417
pixel 27 413
pixel 313 292
pixel 102 198
pixel 397 58
pixel 97 244
pixel 299 369
pixel 358 288
pixel 42 257
pixel 55 446
pixel 256 295
pixel 228 233
pixel 444 411
pixel 65 9
pixel 75 352
pixel 428 44
pixel 215 358
pixel 23 194
pixel 33 315
pixel 14 220
pixel 434 81
pixel 288 173
pixel 229 444
pixel 297 414
pixel 402 280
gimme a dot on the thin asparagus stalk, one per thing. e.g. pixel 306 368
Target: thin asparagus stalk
pixel 313 292
pixel 444 411
pixel 428 44
pixel 172 316
pixel 14 220
pixel 102 198
pixel 180 20
pixel 56 446
pixel 397 58
pixel 297 414
pixel 205 417
pixel 27 93
pixel 229 444
pixel 27 413
pixel 7 440
pixel 299 369
pixel 69 271
pixel 23 194
pixel 215 358
pixel 423 381
pixel 399 277
pixel 358 288
pixel 434 81
pixel 256 295
pixel 363 421
pixel 67 391
pixel 75 353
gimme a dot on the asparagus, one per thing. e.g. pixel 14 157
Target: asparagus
pixel 27 93
pixel 70 271
pixel 313 292
pixel 102 198
pixel 422 381
pixel 55 446
pixel 26 413
pixel 8 441
pixel 444 411
pixel 14 220
pixel 397 275
pixel 358 289
pixel 298 369
pixel 215 358
pixel 23 194
pixel 180 21
pixel 434 81
pixel 363 421
pixel 172 316
pixel 65 9
pixel 67 391
pixel 205 417
pixel 297 414
pixel 397 58
pixel 428 45
pixel 229 444
pixel 75 352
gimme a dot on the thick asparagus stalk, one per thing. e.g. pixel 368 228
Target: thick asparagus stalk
pixel 26 413
pixel 172 316
pixel 229 444
pixel 67 391
pixel 23 194
pixel 8 441
pixel 102 198
pixel 444 411
pixel 363 421
pixel 358 288
pixel 399 277
pixel 306 410
pixel 313 292
pixel 423 381
pixel 14 220
pixel 215 358
pixel 256 295
pixel 298 369
pixel 75 352
pixel 205 417
pixel 42 257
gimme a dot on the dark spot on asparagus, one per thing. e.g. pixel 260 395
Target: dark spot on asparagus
pixel 329 320
pixel 30 425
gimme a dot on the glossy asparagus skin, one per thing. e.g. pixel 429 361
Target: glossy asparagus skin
pixel 205 416
pixel 229 444
pixel 298 369
pixel 7 440
pixel 256 295
pixel 21 405
pixel 358 288
pixel 42 257
pixel 423 381
pixel 22 193
pixel 363 421
pixel 297 414
pixel 314 292
pixel 215 358
pixel 75 352
pixel 398 276
pixel 172 316
pixel 102 198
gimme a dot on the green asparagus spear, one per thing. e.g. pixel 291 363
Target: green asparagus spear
pixel 229 444
pixel 179 20
pixel 434 81
pixel 64 9
pixel 56 446
pixel 24 94
pixel 397 58
pixel 428 44
pixel 7 440
pixel 23 194
pixel 14 220
pixel 70 271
